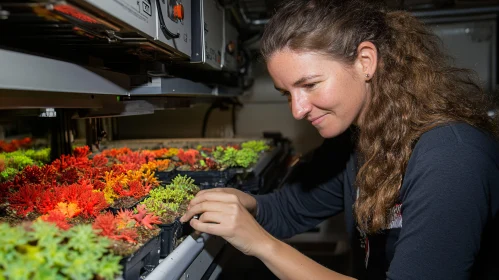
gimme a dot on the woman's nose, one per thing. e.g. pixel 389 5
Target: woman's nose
pixel 300 105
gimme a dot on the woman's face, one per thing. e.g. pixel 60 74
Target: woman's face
pixel 330 95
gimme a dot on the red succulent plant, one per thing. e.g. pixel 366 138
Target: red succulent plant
pixel 113 153
pixel 190 156
pixel 57 218
pixel 108 225
pixel 25 199
pixel 144 218
pixel 15 144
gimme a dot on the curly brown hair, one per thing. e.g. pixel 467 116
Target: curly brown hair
pixel 412 91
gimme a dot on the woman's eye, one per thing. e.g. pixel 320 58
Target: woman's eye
pixel 309 86
pixel 284 93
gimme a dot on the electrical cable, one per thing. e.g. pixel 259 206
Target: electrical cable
pixel 205 119
pixel 224 106
pixel 168 34
pixel 234 120
pixel 235 104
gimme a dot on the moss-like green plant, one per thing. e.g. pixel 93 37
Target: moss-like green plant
pixel 231 157
pixel 184 183
pixel 16 161
pixel 246 157
pixel 8 173
pixel 40 156
pixel 163 201
pixel 43 251
pixel 13 163
pixel 218 153
pixel 255 145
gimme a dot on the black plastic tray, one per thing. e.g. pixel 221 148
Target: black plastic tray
pixel 210 179
pixel 169 234
pixel 267 173
pixel 145 259
pixel 165 177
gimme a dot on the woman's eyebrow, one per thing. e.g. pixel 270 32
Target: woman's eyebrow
pixel 303 79
pixel 278 89
pixel 299 81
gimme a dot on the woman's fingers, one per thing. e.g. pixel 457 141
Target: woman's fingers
pixel 237 226
pixel 217 223
pixel 211 190
pixel 210 228
pixel 207 206
pixel 212 195
pixel 212 217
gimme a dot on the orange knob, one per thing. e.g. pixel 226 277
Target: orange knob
pixel 178 11
pixel 231 47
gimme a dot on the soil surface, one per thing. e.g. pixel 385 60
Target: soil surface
pixel 10 217
pixel 123 248
pixel 124 202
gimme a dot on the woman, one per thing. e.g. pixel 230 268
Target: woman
pixel 410 155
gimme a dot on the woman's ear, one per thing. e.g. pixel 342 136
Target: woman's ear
pixel 367 59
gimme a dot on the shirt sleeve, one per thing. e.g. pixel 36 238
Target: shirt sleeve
pixel 445 207
pixel 313 193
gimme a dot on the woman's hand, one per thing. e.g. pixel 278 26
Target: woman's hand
pixel 224 214
pixel 248 201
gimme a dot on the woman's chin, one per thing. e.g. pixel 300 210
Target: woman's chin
pixel 327 133
pixel 330 132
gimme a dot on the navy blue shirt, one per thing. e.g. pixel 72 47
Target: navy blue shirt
pixel 446 225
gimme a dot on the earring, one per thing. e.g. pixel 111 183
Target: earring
pixel 367 75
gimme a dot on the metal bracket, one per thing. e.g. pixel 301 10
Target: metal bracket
pixel 113 36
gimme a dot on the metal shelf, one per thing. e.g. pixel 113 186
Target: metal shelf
pixel 192 259
pixel 181 87
pixel 26 72
pixel 22 72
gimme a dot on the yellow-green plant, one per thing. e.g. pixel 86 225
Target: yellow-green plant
pixel 43 251
pixel 41 156
pixel 165 202
pixel 218 153
pixel 246 157
pixel 232 157
pixel 255 145
pixel 14 162
pixel 184 183
pixel 17 160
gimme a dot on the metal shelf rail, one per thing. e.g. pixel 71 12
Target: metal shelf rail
pixel 192 259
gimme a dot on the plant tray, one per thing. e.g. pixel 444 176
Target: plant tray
pixel 169 234
pixel 210 179
pixel 165 177
pixel 144 260
pixel 115 210
pixel 266 174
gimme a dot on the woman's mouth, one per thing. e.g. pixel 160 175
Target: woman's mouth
pixel 317 120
